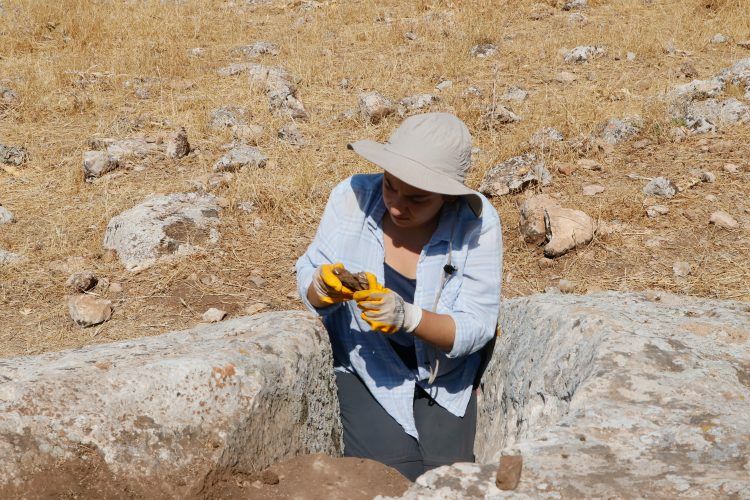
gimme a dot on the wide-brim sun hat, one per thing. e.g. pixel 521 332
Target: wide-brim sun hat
pixel 429 151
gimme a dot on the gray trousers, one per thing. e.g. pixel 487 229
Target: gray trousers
pixel 370 432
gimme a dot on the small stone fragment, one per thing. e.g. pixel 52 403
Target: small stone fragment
pixel 630 56
pixel 509 472
pixel 515 94
pixel 566 168
pixel 711 198
pixel 565 77
pixel 214 315
pixel 89 310
pixel 592 189
pixel 6 216
pixel 496 115
pixel 410 35
pixel 566 286
pixel 731 168
pixel 177 144
pixel 681 269
pixel 81 282
pixel 13 155
pixel 708 177
pixel 373 106
pixel 444 85
pixel 8 95
pixel 257 49
pixel 660 186
pixel 240 156
pixel 98 163
pixel 7 257
pixel 589 164
pixel 515 175
pixel 723 220
pixel 656 210
pixel 291 134
pixel 617 130
pixel 416 102
pixel 545 137
pixel 719 38
pixel 574 4
pixel 115 287
pixel 583 53
pixel 353 281
pixel 483 50
pixel 745 44
pixel 255 308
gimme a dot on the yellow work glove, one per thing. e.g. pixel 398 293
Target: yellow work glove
pixel 328 287
pixel 386 311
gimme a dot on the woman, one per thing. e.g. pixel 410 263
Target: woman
pixel 407 350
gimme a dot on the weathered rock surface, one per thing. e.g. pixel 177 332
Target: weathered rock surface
pixel 98 163
pixel 164 416
pixel 545 138
pixel 583 53
pixel 177 144
pixel 240 156
pixel 612 395
pixel 544 222
pixel 618 130
pixel 6 216
pixel 494 116
pixel 723 220
pixel 290 133
pixel 82 281
pixel 89 310
pixel 13 155
pixel 416 102
pixel 660 186
pixel 163 227
pixel 707 116
pixel 7 257
pixel 484 50
pixel 514 175
pixel 373 106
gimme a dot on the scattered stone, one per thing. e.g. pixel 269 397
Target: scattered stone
pixel 574 4
pixel 115 287
pixel 98 163
pixel 655 211
pixel 258 281
pixel 280 87
pixel 89 310
pixel 484 50
pixel 545 138
pixel 228 116
pixel 630 56
pixel 214 315
pixel 373 107
pixel 616 131
pixel 583 54
pixel 163 227
pixel 177 145
pixel 6 216
pixel 565 77
pixel 240 156
pixel 642 144
pixel 8 95
pixel 566 168
pixel 660 186
pixel 345 83
pixel 708 177
pixel 566 286
pixel 544 222
pixel 472 90
pixel 269 477
pixel 197 52
pixel 142 92
pixel 255 308
pixel 719 38
pixel 410 35
pixel 592 189
pixel 81 282
pixel 681 269
pixel 7 258
pixel 731 168
pixel 514 175
pixel 545 263
pixel 723 220
pixel 707 116
pixel 515 94
pixel 509 470
pixel 257 49
pixel 496 115
pixel 589 164
pixel 290 133
pixel 444 85
pixel 13 155
pixel 416 102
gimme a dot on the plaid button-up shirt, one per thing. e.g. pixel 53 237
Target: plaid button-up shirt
pixel 351 232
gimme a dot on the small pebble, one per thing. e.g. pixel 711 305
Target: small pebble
pixel 444 85
pixel 681 269
pixel 566 286
pixel 731 168
pixel 214 315
pixel 81 282
pixel 592 189
pixel 723 220
pixel 657 210
pixel 710 198
pixel 708 177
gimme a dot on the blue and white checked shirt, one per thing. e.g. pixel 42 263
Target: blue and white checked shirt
pixel 350 232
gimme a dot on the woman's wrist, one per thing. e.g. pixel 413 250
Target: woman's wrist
pixel 412 317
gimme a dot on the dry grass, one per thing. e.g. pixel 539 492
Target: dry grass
pixel 69 61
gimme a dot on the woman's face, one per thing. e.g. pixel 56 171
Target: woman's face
pixel 410 207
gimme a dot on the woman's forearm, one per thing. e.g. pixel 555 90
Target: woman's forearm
pixel 437 329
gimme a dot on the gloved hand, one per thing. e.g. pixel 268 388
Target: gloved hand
pixel 386 311
pixel 327 287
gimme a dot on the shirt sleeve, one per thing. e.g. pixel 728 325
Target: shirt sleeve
pixel 321 250
pixel 477 305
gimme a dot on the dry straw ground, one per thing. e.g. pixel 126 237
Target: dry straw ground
pixel 69 60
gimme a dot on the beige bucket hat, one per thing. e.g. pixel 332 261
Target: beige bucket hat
pixel 430 151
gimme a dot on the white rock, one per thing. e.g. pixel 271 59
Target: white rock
pixel 163 227
pixel 228 116
pixel 13 155
pixel 197 52
pixel 115 287
pixel 410 35
pixel 544 221
pixel 706 116
pixel 6 216
pixel 373 107
pixel 656 210
pixel 515 94
pixel 8 95
pixel 566 286
pixel 416 102
pixel 257 49
pixel 494 116
pixel 514 175
pixel 719 38
pixel 660 186
pixel 7 258
pixel 723 220
pixel 565 77
pixel 98 163
pixel 583 53
pixel 616 130
pixel 177 145
pixel 483 50
pixel 165 412
pixel 255 308
pixel 444 85
pixel 708 177
pixel 592 189
pixel 711 198
pixel 577 19
pixel 630 56
pixel 681 269
pixel 238 157
pixel 731 168
pixel 214 315
pixel 574 4
pixel 89 310
pixel 545 138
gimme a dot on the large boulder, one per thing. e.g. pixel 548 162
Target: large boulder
pixel 612 395
pixel 164 417
pixel 163 227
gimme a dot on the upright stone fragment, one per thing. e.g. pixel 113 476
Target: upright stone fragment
pixel 373 106
pixel 166 416
pixel 163 227
pixel 177 144
pixel 514 175
pixel 240 156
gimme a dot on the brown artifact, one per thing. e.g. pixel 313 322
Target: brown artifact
pixel 509 472
pixel 353 281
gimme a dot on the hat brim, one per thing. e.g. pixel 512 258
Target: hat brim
pixel 415 174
